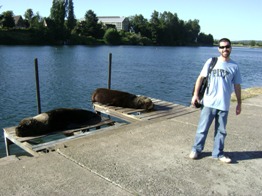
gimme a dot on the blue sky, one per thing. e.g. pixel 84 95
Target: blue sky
pixel 235 19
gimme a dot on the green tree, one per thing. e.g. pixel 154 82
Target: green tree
pixel 92 27
pixel 252 43
pixel 204 39
pixel 7 19
pixel 140 25
pixel 1 18
pixel 79 29
pixel 29 14
pixel 155 27
pixel 71 21
pixel 58 14
pixel 171 28
pixel 192 31
pixel 37 22
pixel 112 36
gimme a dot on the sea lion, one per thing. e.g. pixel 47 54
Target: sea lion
pixel 121 99
pixel 56 120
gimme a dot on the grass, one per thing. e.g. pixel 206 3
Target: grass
pixel 248 93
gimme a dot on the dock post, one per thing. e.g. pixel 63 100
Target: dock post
pixel 109 70
pixel 37 87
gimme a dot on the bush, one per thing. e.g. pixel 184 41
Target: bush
pixel 112 37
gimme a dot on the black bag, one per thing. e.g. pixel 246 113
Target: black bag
pixel 204 83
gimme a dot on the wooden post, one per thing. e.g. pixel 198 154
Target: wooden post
pixel 37 87
pixel 109 70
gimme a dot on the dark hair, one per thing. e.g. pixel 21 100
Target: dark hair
pixel 224 40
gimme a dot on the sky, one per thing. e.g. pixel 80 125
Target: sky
pixel 234 19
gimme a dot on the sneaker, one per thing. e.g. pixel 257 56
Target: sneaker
pixel 224 159
pixel 193 155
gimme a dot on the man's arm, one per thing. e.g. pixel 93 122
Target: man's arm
pixel 237 88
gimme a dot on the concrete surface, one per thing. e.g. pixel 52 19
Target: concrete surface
pixel 145 158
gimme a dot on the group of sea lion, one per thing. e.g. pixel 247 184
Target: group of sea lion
pixel 69 118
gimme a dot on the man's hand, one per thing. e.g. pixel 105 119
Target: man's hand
pixel 238 109
pixel 195 99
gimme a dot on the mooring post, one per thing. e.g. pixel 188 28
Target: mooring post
pixel 109 70
pixel 37 87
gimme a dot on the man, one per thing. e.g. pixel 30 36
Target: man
pixel 224 76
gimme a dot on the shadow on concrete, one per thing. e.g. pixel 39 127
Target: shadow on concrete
pixel 237 156
pixel 245 155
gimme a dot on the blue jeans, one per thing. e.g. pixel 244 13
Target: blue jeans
pixel 206 118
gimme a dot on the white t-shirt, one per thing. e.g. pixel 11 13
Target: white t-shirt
pixel 221 83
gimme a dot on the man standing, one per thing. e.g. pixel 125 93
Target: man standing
pixel 224 77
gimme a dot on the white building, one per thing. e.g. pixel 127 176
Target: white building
pixel 121 23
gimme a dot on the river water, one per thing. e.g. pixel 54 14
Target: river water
pixel 69 74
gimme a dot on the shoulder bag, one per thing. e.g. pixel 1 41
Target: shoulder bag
pixel 204 82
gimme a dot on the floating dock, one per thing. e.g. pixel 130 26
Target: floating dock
pixel 162 109
pixel 32 145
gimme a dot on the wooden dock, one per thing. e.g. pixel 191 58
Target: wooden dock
pixel 162 109
pixel 33 147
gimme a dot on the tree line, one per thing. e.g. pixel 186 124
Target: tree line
pixel 163 29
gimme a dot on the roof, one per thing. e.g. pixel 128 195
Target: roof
pixel 105 19
pixel 17 18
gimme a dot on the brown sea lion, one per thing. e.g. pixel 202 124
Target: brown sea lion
pixel 56 120
pixel 121 99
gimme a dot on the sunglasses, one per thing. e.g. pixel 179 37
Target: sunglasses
pixel 227 47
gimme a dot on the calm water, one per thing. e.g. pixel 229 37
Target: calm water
pixel 69 74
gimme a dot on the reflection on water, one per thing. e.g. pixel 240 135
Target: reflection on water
pixel 69 74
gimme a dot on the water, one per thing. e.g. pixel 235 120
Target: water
pixel 69 74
